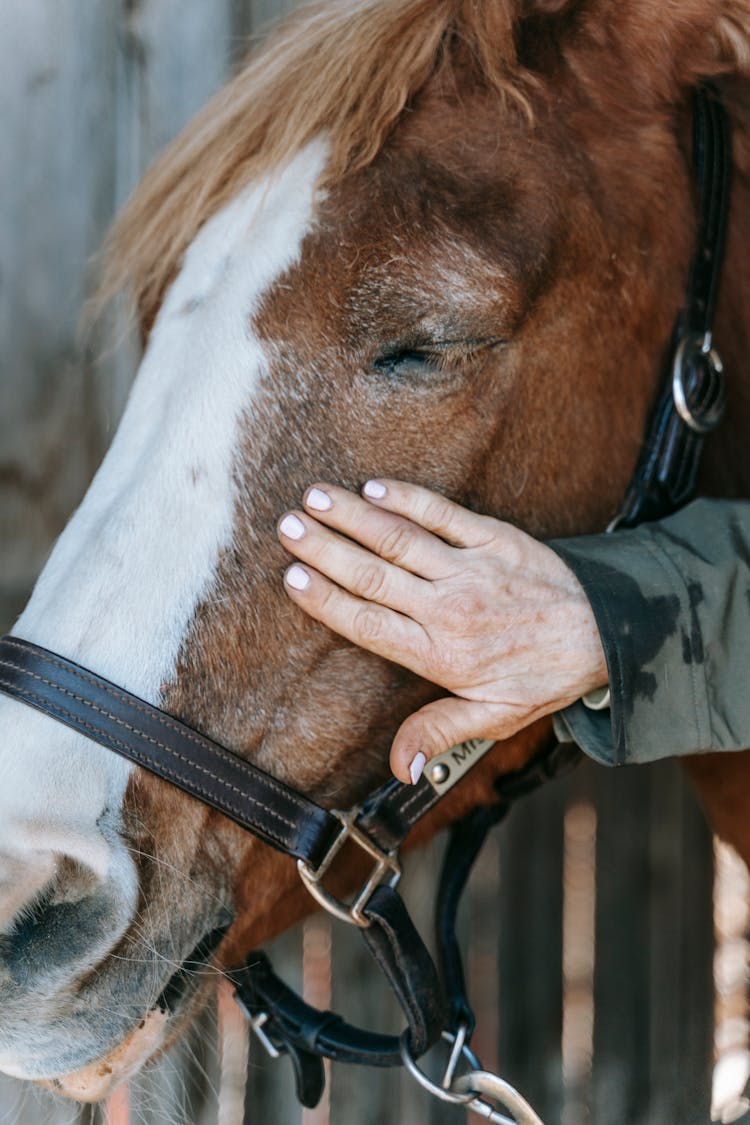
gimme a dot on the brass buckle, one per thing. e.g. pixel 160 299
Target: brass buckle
pixel 387 870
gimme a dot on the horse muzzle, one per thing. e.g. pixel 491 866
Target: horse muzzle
pixel 85 1038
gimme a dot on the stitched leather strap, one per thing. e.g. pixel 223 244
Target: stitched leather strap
pixel 712 166
pixel 397 947
pixel 173 751
pixel 465 842
pixel 162 744
pixel 158 742
pixel 667 471
pixel 389 814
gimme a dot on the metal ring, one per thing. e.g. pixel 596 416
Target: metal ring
pixel 470 1090
pixel 427 1083
pixel 701 418
pixel 387 869
pixel 457 1050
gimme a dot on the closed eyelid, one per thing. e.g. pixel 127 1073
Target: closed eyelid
pixel 426 349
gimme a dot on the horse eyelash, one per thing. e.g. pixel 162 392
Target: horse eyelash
pixel 439 355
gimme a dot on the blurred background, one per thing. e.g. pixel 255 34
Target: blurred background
pixel 606 931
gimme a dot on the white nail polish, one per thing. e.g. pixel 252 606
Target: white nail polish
pixel 417 766
pixel 319 500
pixel 375 490
pixel 297 578
pixel 292 527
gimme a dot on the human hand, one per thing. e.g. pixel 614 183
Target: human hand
pixel 465 601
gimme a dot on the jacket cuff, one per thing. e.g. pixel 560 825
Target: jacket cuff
pixel 650 633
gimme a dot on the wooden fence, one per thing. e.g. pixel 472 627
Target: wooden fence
pixel 589 925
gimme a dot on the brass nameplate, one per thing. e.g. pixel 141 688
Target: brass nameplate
pixel 444 771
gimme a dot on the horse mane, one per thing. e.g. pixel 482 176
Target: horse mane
pixel 346 68
pixel 349 69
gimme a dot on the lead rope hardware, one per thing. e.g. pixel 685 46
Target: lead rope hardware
pixel 472 1089
pixel 282 1022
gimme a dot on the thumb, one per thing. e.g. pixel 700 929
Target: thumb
pixel 440 725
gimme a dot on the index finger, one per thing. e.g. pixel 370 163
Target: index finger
pixel 455 524
pixel 399 541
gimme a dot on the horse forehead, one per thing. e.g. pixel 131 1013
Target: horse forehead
pixel 412 240
pixel 124 581
pixel 247 245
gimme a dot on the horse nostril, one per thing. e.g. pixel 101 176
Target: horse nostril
pixel 53 942
pixel 71 883
pixel 30 887
pixel 63 913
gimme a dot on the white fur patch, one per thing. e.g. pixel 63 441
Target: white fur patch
pixel 123 582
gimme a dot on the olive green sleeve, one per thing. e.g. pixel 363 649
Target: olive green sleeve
pixel 672 602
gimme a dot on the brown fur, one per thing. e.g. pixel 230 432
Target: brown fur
pixel 537 192
pixel 350 69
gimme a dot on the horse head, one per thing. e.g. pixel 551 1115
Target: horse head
pixel 443 242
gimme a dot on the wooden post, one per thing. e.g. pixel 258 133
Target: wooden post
pixel 117 1107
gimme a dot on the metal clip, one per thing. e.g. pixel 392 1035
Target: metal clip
pixel 482 1084
pixel 387 869
pixel 442 1093
pixel 471 1090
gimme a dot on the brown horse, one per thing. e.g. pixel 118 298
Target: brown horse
pixel 439 240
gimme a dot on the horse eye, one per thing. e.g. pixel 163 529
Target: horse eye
pixel 403 362
pixel 444 357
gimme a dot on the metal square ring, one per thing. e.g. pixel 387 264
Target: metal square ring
pixel 387 870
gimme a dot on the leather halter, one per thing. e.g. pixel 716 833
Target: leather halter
pixel 689 406
pixel 692 400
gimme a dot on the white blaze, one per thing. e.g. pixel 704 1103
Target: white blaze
pixel 123 581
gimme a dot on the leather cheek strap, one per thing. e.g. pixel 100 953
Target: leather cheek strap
pixel 307 1034
pixel 402 955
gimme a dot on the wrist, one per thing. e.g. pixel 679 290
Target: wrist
pixel 592 672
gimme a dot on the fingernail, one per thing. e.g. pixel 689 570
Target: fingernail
pixel 375 490
pixel 319 500
pixel 297 578
pixel 417 766
pixel 292 527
